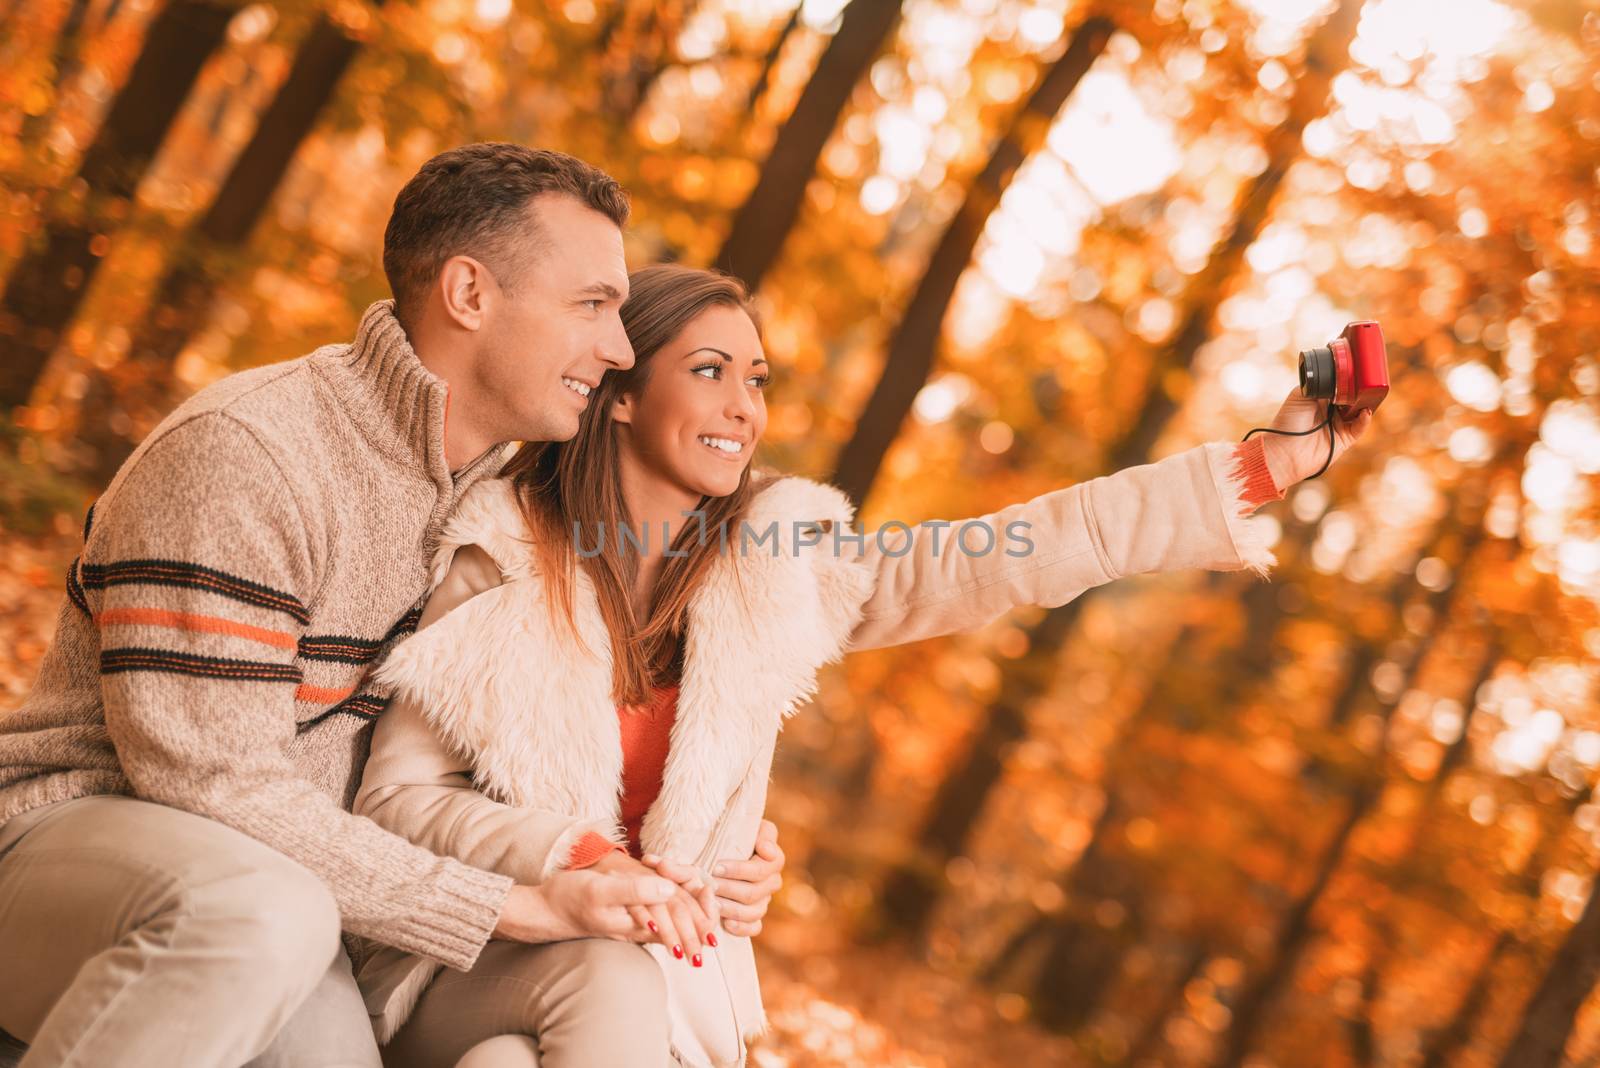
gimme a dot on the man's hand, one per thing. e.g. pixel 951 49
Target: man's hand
pixel 685 921
pixel 1293 459
pixel 744 888
pixel 580 904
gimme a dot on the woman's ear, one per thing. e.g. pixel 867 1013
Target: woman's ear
pixel 622 408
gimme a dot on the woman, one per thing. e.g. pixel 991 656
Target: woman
pixel 581 693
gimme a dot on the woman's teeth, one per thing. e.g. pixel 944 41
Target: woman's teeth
pixel 577 387
pixel 724 444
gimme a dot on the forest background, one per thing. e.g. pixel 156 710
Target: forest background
pixel 1345 817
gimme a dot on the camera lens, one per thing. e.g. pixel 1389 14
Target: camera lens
pixel 1316 373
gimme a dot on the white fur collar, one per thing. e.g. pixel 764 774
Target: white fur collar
pixel 529 703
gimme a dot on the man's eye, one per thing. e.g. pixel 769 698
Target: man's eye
pixel 595 303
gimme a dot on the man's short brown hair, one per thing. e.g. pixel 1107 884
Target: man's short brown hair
pixel 473 201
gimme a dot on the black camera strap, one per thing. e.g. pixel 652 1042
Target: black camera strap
pixel 1328 422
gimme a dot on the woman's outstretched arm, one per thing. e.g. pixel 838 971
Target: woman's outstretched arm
pixel 1192 509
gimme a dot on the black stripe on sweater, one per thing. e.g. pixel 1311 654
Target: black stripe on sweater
pixel 338 649
pixel 75 590
pixel 343 649
pixel 363 706
pixel 135 658
pixel 405 626
pixel 193 576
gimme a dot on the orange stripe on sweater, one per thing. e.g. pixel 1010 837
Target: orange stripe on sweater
pixel 161 617
pixel 321 695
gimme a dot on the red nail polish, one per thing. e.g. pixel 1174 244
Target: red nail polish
pixel 697 960
pixel 677 951
pixel 711 940
pixel 653 928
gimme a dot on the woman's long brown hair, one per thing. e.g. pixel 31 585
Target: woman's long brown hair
pixel 574 488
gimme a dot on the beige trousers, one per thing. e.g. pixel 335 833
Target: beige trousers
pixel 587 1002
pixel 137 935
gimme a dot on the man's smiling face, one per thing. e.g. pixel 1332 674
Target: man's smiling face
pixel 554 329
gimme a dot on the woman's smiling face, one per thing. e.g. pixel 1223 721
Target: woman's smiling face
pixel 696 420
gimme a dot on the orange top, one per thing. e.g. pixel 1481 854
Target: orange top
pixel 646 737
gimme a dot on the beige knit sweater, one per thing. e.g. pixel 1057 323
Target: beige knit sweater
pixel 249 564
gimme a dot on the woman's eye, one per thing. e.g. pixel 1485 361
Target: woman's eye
pixel 714 368
pixel 760 381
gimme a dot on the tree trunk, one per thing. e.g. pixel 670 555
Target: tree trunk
pixel 1151 1038
pixel 143 382
pixel 1457 1032
pixel 1294 932
pixel 63 64
pixel 646 37
pixel 1548 1020
pixel 962 797
pixel 1360 1027
pixel 1454 1035
pixel 1381 939
pixel 1358 680
pixel 1456 753
pixel 49 282
pixel 769 213
pixel 770 61
pixel 916 339
pixel 1030 952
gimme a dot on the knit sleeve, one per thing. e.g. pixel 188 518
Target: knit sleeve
pixel 198 572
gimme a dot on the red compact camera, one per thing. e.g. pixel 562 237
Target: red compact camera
pixel 1352 370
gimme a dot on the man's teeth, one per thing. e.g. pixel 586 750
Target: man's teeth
pixel 577 387
pixel 725 444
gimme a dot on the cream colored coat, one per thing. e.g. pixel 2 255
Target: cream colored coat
pixel 502 748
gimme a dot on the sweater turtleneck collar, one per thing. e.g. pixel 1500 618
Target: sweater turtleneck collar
pixel 399 404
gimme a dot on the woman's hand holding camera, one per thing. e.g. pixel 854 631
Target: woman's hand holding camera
pixel 1294 459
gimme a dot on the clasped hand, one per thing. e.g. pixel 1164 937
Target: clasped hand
pixel 656 899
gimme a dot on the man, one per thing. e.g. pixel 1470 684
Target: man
pixel 176 858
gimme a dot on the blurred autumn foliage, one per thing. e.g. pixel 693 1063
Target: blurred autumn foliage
pixel 1346 817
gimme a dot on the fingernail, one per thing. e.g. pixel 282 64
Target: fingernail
pixel 711 940
pixel 720 870
pixel 697 960
pixel 677 951
pixel 653 928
